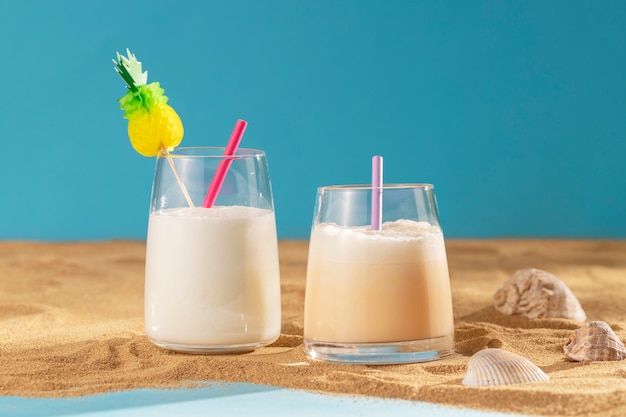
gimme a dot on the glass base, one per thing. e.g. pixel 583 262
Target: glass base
pixel 212 349
pixel 381 353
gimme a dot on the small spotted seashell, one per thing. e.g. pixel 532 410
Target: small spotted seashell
pixel 501 367
pixel 534 293
pixel 595 341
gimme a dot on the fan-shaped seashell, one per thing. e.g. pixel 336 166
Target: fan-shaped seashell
pixel 501 367
pixel 595 341
pixel 537 294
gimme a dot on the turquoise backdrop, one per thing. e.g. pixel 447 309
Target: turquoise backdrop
pixel 515 111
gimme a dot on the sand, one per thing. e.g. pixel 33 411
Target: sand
pixel 71 324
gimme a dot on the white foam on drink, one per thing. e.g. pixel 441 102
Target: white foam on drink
pixel 217 212
pixel 401 236
pixel 397 230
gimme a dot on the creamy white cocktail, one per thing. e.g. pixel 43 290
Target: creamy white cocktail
pixel 212 283
pixel 212 278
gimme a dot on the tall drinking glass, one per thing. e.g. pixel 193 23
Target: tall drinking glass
pixel 212 278
pixel 377 296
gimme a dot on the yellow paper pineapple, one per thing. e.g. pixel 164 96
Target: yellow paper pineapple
pixel 153 125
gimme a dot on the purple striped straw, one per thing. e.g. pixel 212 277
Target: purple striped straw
pixel 377 192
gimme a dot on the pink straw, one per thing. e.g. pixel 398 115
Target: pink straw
pixel 222 169
pixel 377 192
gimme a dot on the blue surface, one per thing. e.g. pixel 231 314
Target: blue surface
pixel 514 110
pixel 225 399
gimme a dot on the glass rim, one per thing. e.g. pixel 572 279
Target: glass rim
pixel 216 152
pixel 390 186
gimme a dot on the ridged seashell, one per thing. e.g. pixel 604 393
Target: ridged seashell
pixel 501 367
pixel 595 341
pixel 537 294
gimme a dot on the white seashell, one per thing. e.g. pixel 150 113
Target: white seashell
pixel 595 341
pixel 501 367
pixel 537 294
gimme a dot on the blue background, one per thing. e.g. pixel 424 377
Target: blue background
pixel 516 111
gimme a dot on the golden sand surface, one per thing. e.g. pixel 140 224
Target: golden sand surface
pixel 71 324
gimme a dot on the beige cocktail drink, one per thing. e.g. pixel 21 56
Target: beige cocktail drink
pixel 377 295
pixel 368 286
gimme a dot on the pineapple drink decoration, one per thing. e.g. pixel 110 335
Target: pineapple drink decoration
pixel 154 127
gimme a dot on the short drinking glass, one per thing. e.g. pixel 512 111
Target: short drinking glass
pixel 377 296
